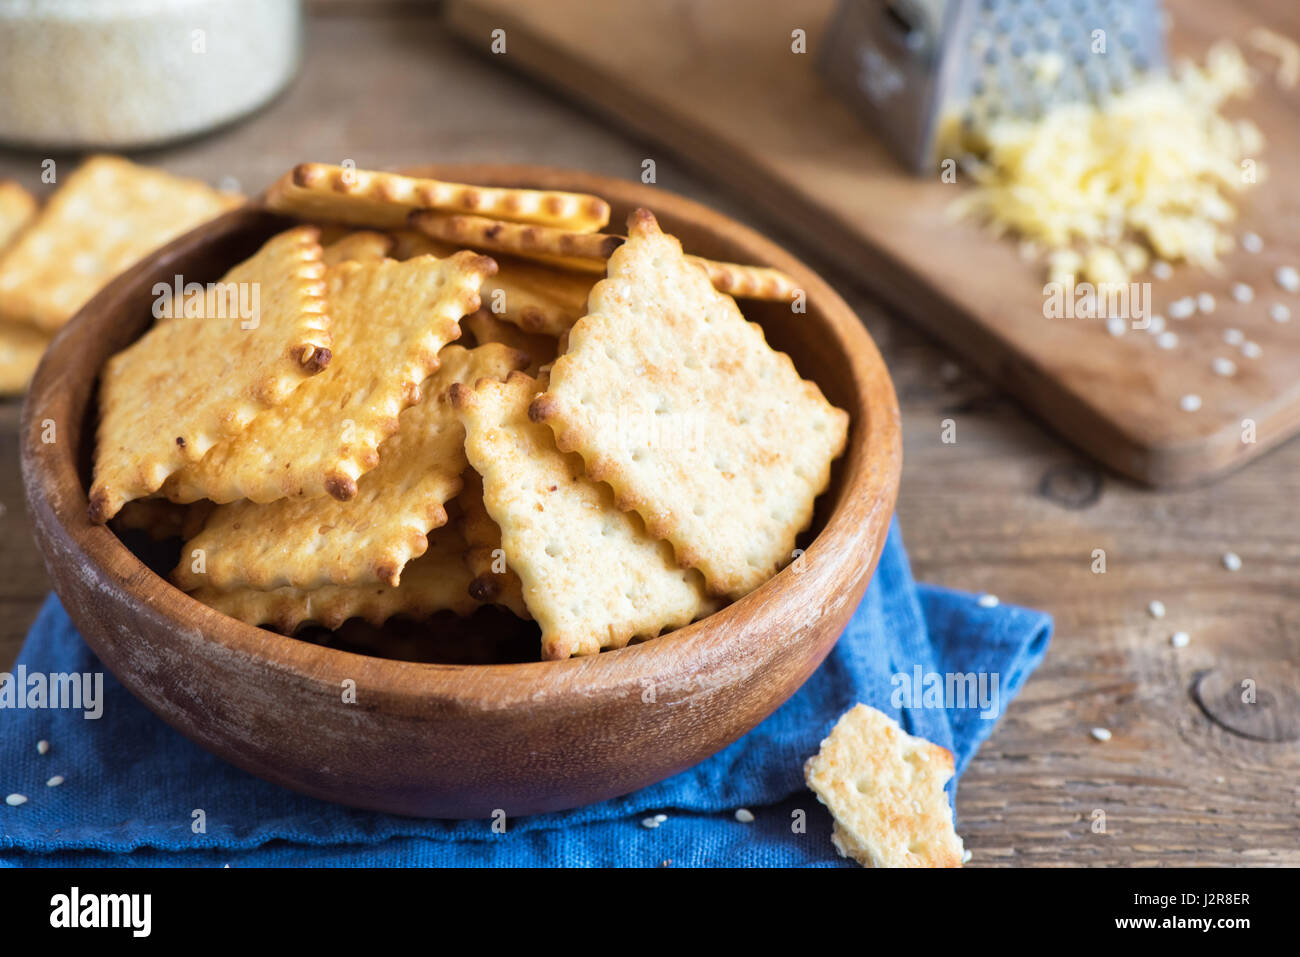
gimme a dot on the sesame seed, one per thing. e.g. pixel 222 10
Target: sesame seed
pixel 14 800
pixel 1279 312
pixel 1251 350
pixel 649 822
pixel 1222 366
pixel 1156 325
pixel 1205 302
pixel 1287 278
pixel 1167 340
pixel 1180 639
pixel 1190 402
pixel 1156 609
pixel 1101 734
pixel 660 818
pixel 55 781
pixel 1181 308
pixel 988 601
pixel 1242 293
pixel 744 815
pixel 1161 269
pixel 42 746
pixel 1232 561
pixel 1251 242
pixel 1234 337
pixel 966 855
pixel 1116 326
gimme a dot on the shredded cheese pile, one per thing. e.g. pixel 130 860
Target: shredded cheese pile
pixel 1153 171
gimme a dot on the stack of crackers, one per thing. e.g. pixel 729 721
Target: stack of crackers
pixel 455 396
pixel 102 219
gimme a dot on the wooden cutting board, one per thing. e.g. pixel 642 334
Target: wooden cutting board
pixel 717 84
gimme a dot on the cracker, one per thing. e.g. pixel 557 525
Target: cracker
pixel 364 246
pixel 388 320
pixel 485 328
pixel 383 200
pixel 536 298
pixel 161 519
pixel 436 581
pixel 190 382
pixel 17 209
pixel 309 543
pixel 585 252
pixel 676 401
pixel 591 575
pixel 492 581
pixel 105 218
pixel 21 348
pixel 748 282
pixel 885 789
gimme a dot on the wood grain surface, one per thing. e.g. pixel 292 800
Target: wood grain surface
pixel 1008 508
pixel 718 84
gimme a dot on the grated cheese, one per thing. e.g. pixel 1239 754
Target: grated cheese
pixel 1152 171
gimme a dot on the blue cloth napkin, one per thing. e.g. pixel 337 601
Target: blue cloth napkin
pixel 132 785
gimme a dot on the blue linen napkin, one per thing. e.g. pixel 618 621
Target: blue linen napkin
pixel 132 784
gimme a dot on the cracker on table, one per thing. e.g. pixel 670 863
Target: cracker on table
pixel 188 383
pixel 309 543
pixel 107 216
pixel 535 297
pixel 388 320
pixel 436 581
pixel 592 577
pixel 485 328
pixel 492 582
pixel 363 246
pixel 585 252
pixel 21 348
pixel 885 789
pixel 383 200
pixel 678 402
pixel 17 209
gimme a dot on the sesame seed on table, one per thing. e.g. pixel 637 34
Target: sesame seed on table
pixel 1009 509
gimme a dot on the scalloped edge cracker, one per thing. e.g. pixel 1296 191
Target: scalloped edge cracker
pixel 492 581
pixel 585 252
pixel 485 328
pixel 21 348
pixel 436 581
pixel 591 576
pixel 679 403
pixel 190 382
pixel 383 200
pixel 748 282
pixel 309 543
pixel 17 208
pixel 389 320
pixel 885 789
pixel 105 217
pixel 362 246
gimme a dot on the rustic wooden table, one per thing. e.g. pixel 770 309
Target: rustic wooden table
pixel 1007 508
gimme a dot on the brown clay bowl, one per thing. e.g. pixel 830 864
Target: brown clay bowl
pixel 461 740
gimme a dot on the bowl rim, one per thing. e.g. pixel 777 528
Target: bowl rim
pixel 870 474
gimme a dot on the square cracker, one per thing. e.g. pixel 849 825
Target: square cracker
pixel 388 320
pixel 584 252
pixel 190 382
pixel 678 402
pixel 21 348
pixel 363 246
pixel 383 200
pixel 309 543
pixel 592 577
pixel 105 218
pixel 436 581
pixel 17 209
pixel 885 790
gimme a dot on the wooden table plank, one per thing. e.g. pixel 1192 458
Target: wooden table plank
pixel 1007 508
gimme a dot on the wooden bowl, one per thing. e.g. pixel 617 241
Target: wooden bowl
pixel 456 740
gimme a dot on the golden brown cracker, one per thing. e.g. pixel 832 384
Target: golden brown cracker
pixel 585 252
pixel 105 218
pixel 21 348
pixel 383 200
pixel 492 582
pixel 676 401
pixel 748 282
pixel 309 543
pixel 363 246
pixel 485 328
pixel 436 581
pixel 17 209
pixel 885 789
pixel 388 320
pixel 591 576
pixel 188 383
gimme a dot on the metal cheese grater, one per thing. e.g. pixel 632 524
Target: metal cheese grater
pixel 927 73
